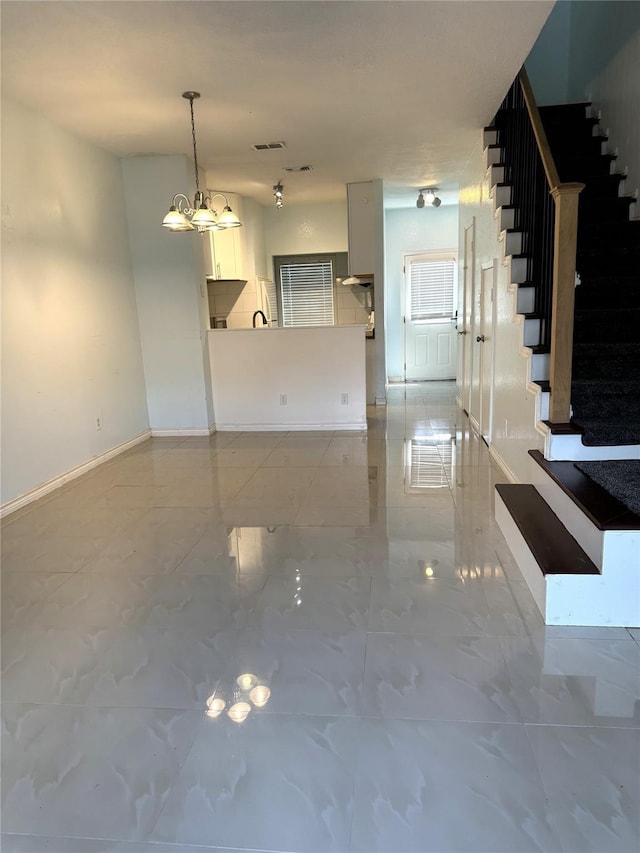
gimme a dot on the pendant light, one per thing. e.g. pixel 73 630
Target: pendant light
pixel 185 216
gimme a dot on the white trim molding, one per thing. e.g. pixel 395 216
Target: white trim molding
pixel 181 433
pixel 72 474
pixel 352 426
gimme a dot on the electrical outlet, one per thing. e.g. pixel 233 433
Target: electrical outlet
pixel 344 399
pixel 98 423
pixel 283 399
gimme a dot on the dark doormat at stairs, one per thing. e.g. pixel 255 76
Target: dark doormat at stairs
pixel 619 477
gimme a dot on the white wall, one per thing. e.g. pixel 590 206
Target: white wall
pixel 410 230
pixel 171 296
pixel 548 63
pixel 253 225
pixel 605 66
pixel 591 51
pixel 70 345
pixel 304 229
pixel 514 414
pixel 313 366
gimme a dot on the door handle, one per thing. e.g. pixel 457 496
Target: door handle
pixel 480 339
pixel 463 332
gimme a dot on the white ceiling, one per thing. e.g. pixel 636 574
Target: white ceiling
pixel 360 90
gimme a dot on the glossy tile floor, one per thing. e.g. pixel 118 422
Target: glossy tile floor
pixel 303 642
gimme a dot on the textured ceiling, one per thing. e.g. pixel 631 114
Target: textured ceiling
pixel 360 90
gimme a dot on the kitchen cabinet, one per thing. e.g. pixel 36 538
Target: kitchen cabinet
pixel 361 216
pixel 225 255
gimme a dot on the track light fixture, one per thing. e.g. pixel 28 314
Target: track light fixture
pixel 277 194
pixel 184 216
pixel 427 195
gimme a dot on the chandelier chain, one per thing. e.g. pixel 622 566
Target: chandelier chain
pixel 195 150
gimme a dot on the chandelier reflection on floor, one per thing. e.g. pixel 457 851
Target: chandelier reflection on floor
pixel 248 692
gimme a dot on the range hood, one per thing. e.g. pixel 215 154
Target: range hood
pixel 362 280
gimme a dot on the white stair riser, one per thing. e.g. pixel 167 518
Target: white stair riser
pixel 526 300
pixel 570 447
pixel 496 175
pixel 543 405
pixel 506 217
pixel 490 137
pixel 518 270
pixel 611 599
pixel 513 242
pixel 493 156
pixel 502 195
pixel 539 366
pixel 531 334
pixel 594 599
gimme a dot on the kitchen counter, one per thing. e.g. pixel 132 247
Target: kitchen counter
pixel 293 378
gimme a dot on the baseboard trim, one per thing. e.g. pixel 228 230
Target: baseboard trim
pixel 180 433
pixel 355 426
pixel 506 470
pixel 72 474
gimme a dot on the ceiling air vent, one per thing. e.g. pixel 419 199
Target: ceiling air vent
pixel 297 168
pixel 268 146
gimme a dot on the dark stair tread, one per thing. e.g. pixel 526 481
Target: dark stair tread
pixel 554 548
pixel 605 511
pixel 543 384
pixel 556 428
pixel 605 186
pixel 603 433
pixel 594 208
pixel 540 349
pixel 572 108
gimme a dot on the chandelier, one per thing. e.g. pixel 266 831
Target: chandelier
pixel 199 216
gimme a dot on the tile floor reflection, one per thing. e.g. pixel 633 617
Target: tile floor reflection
pixel 303 642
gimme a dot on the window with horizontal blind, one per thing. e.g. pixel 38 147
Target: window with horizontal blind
pixel 432 284
pixel 306 291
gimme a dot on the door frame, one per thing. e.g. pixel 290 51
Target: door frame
pixel 487 325
pixel 468 277
pixel 432 253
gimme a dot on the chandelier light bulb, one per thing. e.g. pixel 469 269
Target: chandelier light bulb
pixel 260 695
pixel 239 712
pixel 215 707
pixel 246 681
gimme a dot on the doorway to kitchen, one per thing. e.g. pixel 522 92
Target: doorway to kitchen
pixel 429 316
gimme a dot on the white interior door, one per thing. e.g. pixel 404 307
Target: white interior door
pixel 474 348
pixel 429 316
pixel 487 286
pixel 465 304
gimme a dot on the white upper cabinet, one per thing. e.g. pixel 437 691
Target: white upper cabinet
pixel 361 210
pixel 225 255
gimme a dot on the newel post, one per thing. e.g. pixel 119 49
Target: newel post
pixel 565 197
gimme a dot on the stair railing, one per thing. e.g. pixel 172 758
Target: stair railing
pixel 546 213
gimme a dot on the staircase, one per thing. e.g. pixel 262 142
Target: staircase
pixel 577 546
pixel 605 387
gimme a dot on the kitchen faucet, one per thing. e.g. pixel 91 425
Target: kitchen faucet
pixel 261 314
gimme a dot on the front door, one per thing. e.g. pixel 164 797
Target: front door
pixel 429 316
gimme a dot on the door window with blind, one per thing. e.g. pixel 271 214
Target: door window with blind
pixel 431 288
pixel 306 290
